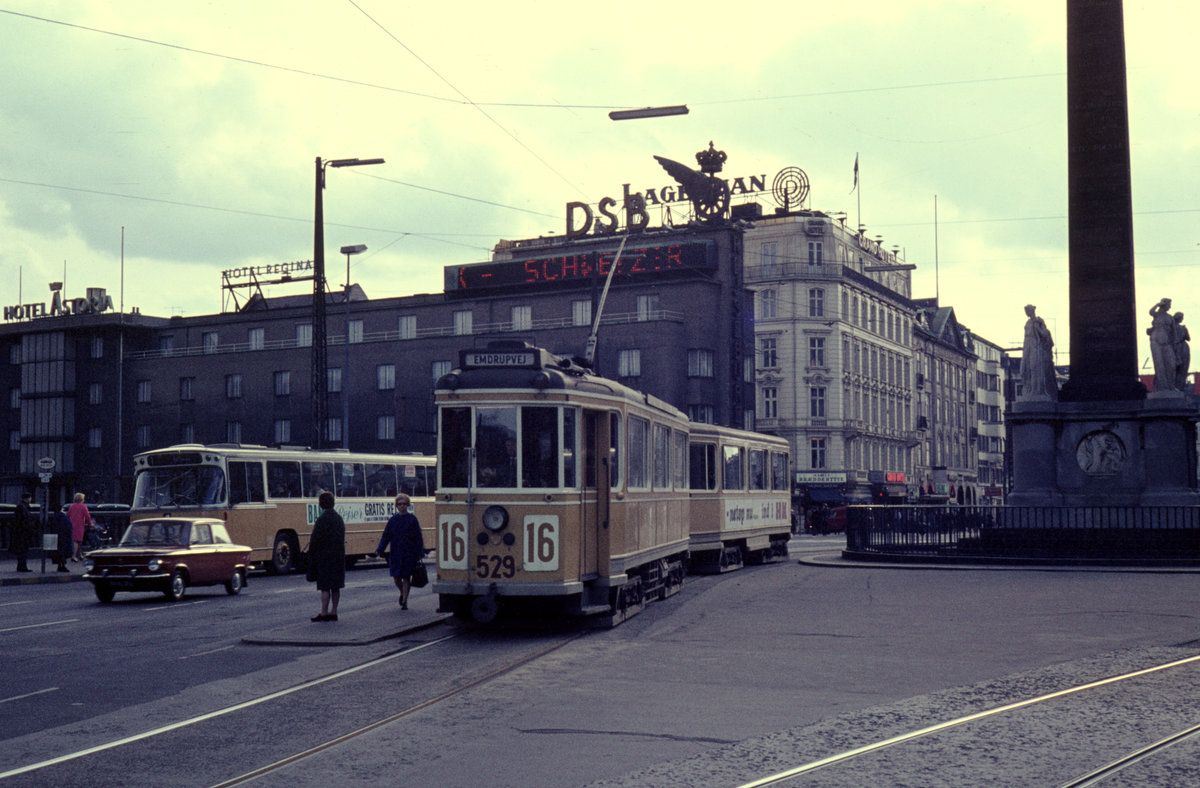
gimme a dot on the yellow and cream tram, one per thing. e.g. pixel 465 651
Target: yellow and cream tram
pixel 741 499
pixel 558 489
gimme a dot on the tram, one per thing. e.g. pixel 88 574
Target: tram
pixel 559 490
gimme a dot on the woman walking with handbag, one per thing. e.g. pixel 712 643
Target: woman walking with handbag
pixel 405 548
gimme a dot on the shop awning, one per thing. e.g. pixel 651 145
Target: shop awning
pixel 825 495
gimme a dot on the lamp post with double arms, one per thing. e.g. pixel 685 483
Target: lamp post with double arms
pixel 319 386
pixel 348 251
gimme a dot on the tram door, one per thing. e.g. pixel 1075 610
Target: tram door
pixel 597 442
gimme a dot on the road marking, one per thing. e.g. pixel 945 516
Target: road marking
pixel 35 626
pixel 217 713
pixel 29 694
pixel 10 604
pixel 205 653
pixel 175 606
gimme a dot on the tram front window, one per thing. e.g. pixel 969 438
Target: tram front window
pixel 496 447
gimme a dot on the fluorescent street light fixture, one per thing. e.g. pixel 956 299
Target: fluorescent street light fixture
pixel 355 249
pixel 353 162
pixel 648 112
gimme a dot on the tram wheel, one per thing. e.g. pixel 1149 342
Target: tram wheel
pixel 484 609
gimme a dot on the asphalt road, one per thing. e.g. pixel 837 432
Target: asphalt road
pixel 691 692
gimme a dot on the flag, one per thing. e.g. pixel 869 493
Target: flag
pixel 855 174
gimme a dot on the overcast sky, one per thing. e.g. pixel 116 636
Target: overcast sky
pixel 197 131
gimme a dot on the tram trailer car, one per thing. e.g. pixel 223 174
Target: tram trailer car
pixel 560 491
pixel 741 498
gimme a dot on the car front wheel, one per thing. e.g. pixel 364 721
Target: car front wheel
pixel 104 593
pixel 177 587
pixel 235 583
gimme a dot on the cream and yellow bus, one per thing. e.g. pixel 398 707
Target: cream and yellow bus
pixel 268 496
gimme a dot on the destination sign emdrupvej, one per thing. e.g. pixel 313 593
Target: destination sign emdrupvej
pixel 580 267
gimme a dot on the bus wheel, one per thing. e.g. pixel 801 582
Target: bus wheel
pixel 283 556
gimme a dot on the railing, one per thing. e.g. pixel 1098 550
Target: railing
pixel 1029 534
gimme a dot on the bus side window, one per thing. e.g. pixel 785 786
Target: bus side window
pixel 245 483
pixel 285 479
pixel 318 478
pixel 350 480
pixel 381 480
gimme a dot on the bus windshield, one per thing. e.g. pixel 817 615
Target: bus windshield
pixel 179 486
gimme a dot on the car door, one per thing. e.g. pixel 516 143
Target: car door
pixel 203 560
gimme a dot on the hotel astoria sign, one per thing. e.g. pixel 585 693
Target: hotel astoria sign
pixel 96 300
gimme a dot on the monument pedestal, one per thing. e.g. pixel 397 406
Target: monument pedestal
pixel 1105 453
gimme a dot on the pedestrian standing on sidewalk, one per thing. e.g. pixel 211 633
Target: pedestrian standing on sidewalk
pixel 60 526
pixel 23 532
pixel 402 541
pixel 327 549
pixel 81 518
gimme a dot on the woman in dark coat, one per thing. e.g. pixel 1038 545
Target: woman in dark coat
pixel 327 551
pixel 404 545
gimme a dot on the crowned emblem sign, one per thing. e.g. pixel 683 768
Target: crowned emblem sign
pixel 708 193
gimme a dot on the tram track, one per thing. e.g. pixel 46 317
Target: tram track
pixel 848 758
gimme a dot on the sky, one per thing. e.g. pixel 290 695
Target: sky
pixel 146 150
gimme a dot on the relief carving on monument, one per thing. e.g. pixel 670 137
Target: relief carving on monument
pixel 1101 453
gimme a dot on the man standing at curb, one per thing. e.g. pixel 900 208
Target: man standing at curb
pixel 23 532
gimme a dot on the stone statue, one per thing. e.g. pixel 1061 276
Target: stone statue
pixel 1037 359
pixel 1183 354
pixel 1162 332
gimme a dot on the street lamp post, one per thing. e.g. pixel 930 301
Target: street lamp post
pixel 318 385
pixel 348 251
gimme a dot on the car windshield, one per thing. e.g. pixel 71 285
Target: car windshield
pixel 154 533
pixel 195 485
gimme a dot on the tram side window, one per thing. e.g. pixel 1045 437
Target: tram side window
pixel 455 446
pixel 246 483
pixel 570 442
pixel 638 471
pixel 539 447
pixel 381 480
pixel 702 464
pixel 614 450
pixel 758 469
pixel 779 471
pixel 284 479
pixel 679 459
pixel 350 480
pixel 318 478
pixel 662 456
pixel 496 447
pixel 732 463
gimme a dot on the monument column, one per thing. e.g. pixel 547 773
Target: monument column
pixel 1104 359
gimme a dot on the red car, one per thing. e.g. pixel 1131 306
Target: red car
pixel 168 554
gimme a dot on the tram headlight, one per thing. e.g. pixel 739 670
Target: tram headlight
pixel 495 518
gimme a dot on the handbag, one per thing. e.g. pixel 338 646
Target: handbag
pixel 420 576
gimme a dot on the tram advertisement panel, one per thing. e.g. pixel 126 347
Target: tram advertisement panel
pixel 756 513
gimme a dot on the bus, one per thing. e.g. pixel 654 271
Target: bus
pixel 268 496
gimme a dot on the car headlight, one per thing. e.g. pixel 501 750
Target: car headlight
pixel 88 565
pixel 495 518
pixel 154 564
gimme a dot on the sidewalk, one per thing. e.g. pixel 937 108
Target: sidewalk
pixel 9 576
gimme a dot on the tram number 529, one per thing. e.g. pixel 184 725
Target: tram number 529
pixel 540 543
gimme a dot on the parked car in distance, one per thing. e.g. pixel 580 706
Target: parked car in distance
pixel 168 554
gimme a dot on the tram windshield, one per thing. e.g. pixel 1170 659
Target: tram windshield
pixel 515 446
pixel 179 486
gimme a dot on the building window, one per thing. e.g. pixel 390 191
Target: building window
pixel 304 335
pixel 187 433
pixel 407 326
pixel 647 307
pixel 769 255
pixel 14 398
pixel 142 436
pixel 95 436
pixel 385 377
pixel 143 391
pixel 334 430
pixel 816 302
pixel 767 306
pixel 333 380
pixel 233 432
pixel 522 318
pixel 385 428
pixel 283 431
pixel 208 341
pixel 816 351
pixel 629 363
pixel 816 402
pixel 14 440
pixel 95 393
pixel 581 313
pixel 701 414
pixel 440 368
pixel 770 355
pixel 462 322
pixel 97 347
pixel 166 344
pixel 187 389
pixel 700 363
pixel 14 354
pixel 355 331
pixel 283 383
pixel 815 257
pixel 817 450
pixel 233 386
pixel 770 403
pixel 256 338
